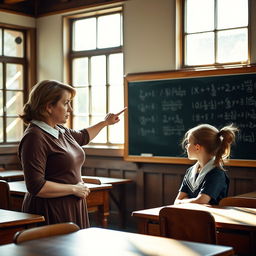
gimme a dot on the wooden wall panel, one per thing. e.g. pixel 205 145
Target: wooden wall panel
pixel 9 161
pixel 154 184
pixel 171 184
pixel 152 189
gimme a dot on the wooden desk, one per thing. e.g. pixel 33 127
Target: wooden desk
pixel 117 183
pixel 236 226
pixel 11 175
pixel 98 198
pixel 11 222
pixel 250 194
pixel 111 243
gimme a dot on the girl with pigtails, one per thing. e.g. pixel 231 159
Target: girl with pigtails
pixel 206 182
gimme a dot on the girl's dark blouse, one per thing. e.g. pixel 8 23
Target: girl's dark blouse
pixel 215 184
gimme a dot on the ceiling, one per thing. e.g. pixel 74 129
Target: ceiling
pixel 38 8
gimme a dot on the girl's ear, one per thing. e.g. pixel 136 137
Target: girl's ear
pixel 198 146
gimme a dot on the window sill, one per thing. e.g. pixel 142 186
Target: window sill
pixel 6 149
pixel 114 151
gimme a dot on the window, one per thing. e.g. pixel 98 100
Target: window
pixel 97 72
pixel 12 67
pixel 215 32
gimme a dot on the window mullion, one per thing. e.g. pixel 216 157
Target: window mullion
pixel 215 32
pixel 107 92
pixel 4 104
pixel 90 90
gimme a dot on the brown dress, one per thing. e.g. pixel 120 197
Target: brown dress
pixel 46 158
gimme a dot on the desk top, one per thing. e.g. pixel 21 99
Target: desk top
pixel 19 187
pixel 107 180
pixel 114 243
pixel 6 174
pixel 250 194
pixel 225 216
pixel 12 218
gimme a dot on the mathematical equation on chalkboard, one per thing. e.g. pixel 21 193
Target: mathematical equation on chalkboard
pixel 161 111
pixel 209 104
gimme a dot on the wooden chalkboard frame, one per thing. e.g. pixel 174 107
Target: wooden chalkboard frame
pixel 154 76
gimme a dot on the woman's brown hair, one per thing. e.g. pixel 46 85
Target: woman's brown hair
pixel 216 142
pixel 43 93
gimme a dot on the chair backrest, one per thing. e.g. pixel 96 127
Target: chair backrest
pixel 187 224
pixel 45 231
pixel 5 199
pixel 238 201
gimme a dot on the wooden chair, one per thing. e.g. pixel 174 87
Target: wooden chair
pixel 5 199
pixel 238 201
pixel 188 225
pixel 45 231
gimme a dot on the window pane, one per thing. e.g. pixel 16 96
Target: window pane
pixel 98 100
pixel 14 75
pixel 13 43
pixel 232 13
pixel 116 132
pixel 84 36
pixel 80 122
pixel 199 8
pixel 81 101
pixel 14 129
pixel 14 102
pixel 200 49
pixel 80 72
pixel 1 130
pixel 102 136
pixel 98 70
pixel 1 104
pixel 116 69
pixel 109 31
pixel 232 46
pixel 1 50
pixel 1 75
pixel 116 98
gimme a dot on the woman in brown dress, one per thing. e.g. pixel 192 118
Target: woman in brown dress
pixel 52 157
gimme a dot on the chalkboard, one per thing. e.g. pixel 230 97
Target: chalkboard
pixel 163 106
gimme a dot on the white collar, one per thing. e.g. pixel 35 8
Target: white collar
pixel 47 128
pixel 195 183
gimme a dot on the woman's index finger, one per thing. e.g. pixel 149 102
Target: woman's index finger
pixel 119 113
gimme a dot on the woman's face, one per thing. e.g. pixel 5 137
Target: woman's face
pixel 59 113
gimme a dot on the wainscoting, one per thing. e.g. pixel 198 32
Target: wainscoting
pixel 154 184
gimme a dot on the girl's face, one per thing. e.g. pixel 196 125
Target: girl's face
pixel 59 113
pixel 192 148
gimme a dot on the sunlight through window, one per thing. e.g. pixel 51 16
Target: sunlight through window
pixel 216 32
pixel 97 73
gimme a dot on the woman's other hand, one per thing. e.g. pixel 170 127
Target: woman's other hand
pixel 80 190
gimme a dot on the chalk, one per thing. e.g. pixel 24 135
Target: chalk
pixel 146 154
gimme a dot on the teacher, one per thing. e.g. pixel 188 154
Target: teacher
pixel 51 155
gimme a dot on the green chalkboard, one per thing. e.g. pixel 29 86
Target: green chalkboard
pixel 162 108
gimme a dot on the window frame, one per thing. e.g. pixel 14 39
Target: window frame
pixel 181 47
pixel 70 55
pixel 28 61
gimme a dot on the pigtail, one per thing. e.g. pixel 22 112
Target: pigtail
pixel 226 136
